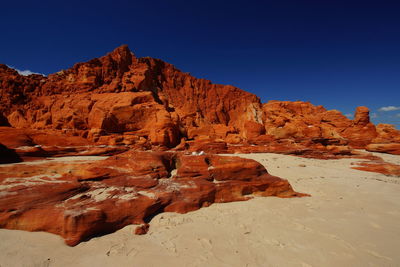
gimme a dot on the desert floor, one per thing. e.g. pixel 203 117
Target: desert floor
pixel 351 219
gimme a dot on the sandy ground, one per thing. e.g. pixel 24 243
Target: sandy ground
pixel 352 219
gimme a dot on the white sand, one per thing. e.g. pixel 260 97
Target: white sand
pixel 352 219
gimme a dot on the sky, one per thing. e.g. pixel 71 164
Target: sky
pixel 339 54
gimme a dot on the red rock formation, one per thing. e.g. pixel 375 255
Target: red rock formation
pixel 392 148
pixel 386 141
pixel 158 105
pixel 30 144
pixel 379 167
pixel 362 131
pixel 145 95
pixel 119 102
pixel 78 200
pixel 302 121
pixel 387 133
pixel 142 229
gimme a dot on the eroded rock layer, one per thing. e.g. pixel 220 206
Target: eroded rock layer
pixel 120 99
pixel 78 198
pixel 121 106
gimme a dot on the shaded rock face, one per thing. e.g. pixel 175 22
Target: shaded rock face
pixel 3 120
pixel 83 198
pixel 8 155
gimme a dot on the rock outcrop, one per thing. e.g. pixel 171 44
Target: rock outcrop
pixel 119 99
pixel 119 105
pixel 379 167
pixel 306 123
pixel 392 148
pixel 303 121
pixel 83 198
pixel 119 93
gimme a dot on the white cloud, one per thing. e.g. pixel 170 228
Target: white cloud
pixel 349 115
pixel 389 108
pixel 374 115
pixel 25 72
pixel 398 115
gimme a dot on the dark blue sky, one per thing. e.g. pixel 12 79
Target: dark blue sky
pixel 340 54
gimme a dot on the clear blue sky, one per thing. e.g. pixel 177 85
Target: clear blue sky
pixel 340 54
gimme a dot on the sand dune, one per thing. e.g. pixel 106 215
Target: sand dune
pixel 352 219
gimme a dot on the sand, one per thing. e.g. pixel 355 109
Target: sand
pixel 352 219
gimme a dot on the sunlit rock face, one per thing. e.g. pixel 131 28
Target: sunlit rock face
pixel 119 99
pixel 119 93
pixel 119 139
pixel 81 197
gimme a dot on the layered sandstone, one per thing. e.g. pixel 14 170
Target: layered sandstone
pixel 145 103
pixel 78 198
pixel 119 93
pixel 118 103
pixel 302 121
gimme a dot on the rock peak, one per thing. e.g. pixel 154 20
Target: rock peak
pixel 122 51
pixel 122 48
pixel 361 115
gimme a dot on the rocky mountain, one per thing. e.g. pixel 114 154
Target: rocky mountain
pixel 133 109
pixel 120 98
pixel 121 93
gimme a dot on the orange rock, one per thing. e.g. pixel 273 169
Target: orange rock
pixel 362 131
pixel 379 167
pixel 302 120
pixel 160 105
pixel 80 200
pixel 142 229
pixel 392 148
pixel 208 146
pixel 253 130
pixel 387 133
pixel 138 99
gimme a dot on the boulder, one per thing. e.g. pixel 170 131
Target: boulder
pixel 391 148
pixel 83 199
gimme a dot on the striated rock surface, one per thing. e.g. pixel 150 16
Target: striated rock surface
pixel 379 166
pixel 119 105
pixel 386 133
pixel 311 125
pixel 362 131
pixel 78 198
pixel 119 92
pixel 30 144
pixel 302 120
pixel 145 103
pixel 386 141
pixel 392 148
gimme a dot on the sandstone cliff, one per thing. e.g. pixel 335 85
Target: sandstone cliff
pixel 122 99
